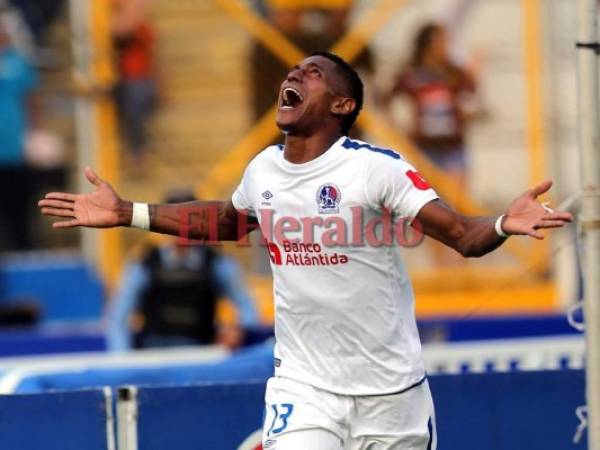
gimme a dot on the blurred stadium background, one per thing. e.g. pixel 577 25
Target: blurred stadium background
pixel 212 65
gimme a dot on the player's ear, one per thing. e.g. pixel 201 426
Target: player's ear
pixel 343 106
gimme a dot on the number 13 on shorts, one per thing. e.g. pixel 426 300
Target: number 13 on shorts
pixel 276 417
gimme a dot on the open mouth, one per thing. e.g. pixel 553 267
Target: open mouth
pixel 290 98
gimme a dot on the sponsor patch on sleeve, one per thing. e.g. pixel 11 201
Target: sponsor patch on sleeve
pixel 418 180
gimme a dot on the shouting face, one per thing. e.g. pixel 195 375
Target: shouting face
pixel 312 96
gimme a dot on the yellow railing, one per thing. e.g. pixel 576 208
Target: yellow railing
pixel 110 246
pixel 532 44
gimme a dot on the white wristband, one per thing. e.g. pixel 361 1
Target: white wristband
pixel 140 217
pixel 498 226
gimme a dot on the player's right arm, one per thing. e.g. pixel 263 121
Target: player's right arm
pixel 104 208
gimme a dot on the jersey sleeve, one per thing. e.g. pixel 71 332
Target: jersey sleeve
pixel 397 186
pixel 241 198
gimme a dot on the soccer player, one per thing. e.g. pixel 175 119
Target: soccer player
pixel 348 367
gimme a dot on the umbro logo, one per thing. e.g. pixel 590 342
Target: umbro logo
pixel 267 195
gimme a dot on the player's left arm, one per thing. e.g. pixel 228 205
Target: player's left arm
pixel 476 236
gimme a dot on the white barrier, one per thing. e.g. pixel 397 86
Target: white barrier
pixel 504 355
pixel 482 356
pixel 14 370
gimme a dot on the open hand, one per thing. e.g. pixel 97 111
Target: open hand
pixel 102 208
pixel 526 215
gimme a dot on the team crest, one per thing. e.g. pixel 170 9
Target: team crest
pixel 328 199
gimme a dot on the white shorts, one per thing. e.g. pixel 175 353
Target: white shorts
pixel 300 417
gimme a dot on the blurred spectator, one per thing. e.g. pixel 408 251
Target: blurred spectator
pixel 19 111
pixel 18 106
pixel 170 297
pixel 136 91
pixel 15 25
pixel 442 96
pixel 312 26
pixel 39 15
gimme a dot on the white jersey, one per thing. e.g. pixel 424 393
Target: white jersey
pixel 344 305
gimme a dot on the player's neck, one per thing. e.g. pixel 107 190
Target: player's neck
pixel 302 149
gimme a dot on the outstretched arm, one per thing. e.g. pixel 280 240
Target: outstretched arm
pixel 210 220
pixel 476 236
pixel 103 208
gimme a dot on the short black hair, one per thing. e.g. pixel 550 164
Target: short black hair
pixel 354 84
pixel 422 42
